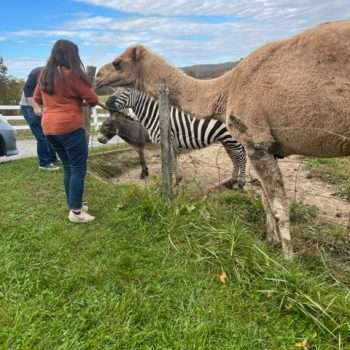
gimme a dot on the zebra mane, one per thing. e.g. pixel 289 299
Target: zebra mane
pixel 130 90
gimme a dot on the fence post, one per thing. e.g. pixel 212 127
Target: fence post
pixel 91 71
pixel 165 140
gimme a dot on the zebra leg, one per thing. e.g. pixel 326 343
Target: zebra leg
pixel 144 172
pixel 242 165
pixel 238 156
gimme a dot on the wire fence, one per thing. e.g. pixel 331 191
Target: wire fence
pixel 204 170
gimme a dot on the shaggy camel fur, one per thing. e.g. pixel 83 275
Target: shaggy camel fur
pixel 288 97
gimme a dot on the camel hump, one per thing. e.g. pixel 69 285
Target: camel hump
pixel 322 52
pixel 328 42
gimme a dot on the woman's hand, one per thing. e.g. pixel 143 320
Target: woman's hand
pixel 36 107
pixel 37 110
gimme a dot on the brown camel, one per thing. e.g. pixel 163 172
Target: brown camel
pixel 288 97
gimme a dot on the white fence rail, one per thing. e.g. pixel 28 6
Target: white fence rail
pixel 98 116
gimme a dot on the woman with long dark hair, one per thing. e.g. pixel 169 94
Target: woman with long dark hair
pixel 62 89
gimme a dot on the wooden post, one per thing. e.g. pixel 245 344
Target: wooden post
pixel 165 140
pixel 91 71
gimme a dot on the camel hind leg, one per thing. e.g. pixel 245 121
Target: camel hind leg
pixel 254 133
pixel 275 202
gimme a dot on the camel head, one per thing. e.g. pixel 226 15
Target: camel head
pixel 124 70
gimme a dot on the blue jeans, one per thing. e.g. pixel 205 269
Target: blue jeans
pixel 72 149
pixel 45 151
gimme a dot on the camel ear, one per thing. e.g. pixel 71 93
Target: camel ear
pixel 137 53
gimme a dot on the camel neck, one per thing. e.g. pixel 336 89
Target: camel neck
pixel 198 97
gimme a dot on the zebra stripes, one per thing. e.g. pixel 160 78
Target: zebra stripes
pixel 187 132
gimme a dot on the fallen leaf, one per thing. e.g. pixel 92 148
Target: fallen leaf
pixel 302 345
pixel 289 306
pixel 223 277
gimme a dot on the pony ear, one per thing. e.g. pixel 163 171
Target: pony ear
pixel 137 53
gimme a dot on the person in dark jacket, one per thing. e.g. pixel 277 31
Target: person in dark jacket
pixel 32 114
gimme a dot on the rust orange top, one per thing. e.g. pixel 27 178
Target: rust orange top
pixel 62 111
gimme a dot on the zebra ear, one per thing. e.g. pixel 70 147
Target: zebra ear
pixel 110 103
pixel 137 53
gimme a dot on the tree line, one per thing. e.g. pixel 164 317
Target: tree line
pixel 10 88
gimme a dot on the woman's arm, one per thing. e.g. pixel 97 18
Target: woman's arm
pixel 85 92
pixel 36 100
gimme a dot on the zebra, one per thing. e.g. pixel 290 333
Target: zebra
pixel 187 132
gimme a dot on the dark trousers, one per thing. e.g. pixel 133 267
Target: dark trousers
pixel 72 149
pixel 45 151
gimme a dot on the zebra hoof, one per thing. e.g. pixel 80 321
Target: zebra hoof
pixel 230 184
pixel 144 174
pixel 240 185
pixel 235 185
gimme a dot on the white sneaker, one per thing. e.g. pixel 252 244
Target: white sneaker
pixel 85 208
pixel 80 218
pixel 49 167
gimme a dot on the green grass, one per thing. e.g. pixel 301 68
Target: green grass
pixel 323 247
pixel 332 170
pixel 103 98
pixel 108 148
pixel 144 275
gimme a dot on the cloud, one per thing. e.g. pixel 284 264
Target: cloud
pixel 50 34
pixel 23 65
pixel 182 41
pixel 311 10
pixel 187 32
pixel 189 26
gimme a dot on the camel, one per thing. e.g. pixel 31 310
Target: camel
pixel 287 97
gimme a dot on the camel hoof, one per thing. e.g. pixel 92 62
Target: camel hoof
pixel 273 242
pixel 287 250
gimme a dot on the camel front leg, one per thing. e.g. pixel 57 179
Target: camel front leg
pixel 272 235
pixel 275 201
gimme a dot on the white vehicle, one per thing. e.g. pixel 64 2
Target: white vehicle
pixel 7 139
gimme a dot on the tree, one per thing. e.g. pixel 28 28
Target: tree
pixel 3 70
pixel 3 81
pixel 10 88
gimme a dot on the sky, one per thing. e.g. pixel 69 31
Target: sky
pixel 184 32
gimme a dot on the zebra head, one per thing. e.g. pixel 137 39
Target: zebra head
pixel 122 98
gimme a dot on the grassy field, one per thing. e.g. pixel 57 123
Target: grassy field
pixel 190 275
pixel 333 170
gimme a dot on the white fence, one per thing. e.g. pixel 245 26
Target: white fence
pixel 98 116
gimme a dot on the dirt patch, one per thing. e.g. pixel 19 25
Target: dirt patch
pixel 301 186
pixel 320 244
pixel 204 169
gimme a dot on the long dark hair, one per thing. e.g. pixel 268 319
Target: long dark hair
pixel 63 54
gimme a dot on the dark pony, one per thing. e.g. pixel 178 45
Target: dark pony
pixel 63 54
